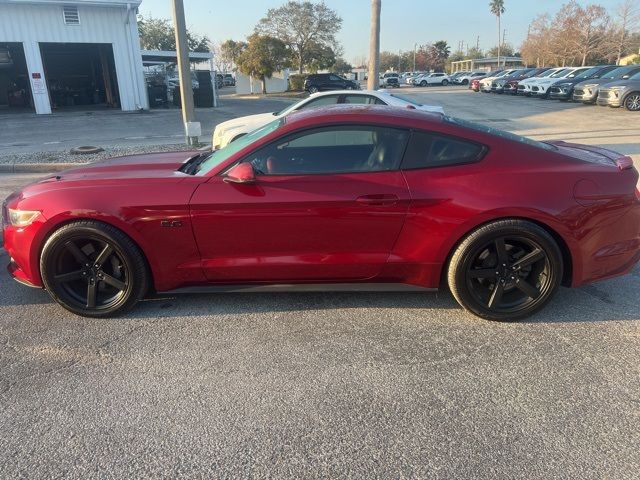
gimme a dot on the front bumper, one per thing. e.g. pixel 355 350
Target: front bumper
pixel 560 93
pixel 585 95
pixel 609 98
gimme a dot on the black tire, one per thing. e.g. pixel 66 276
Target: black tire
pixel 93 269
pixel 632 102
pixel 313 90
pixel 465 82
pixel 506 270
pixel 445 83
pixel 423 83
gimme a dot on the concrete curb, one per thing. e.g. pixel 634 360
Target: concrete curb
pixel 37 167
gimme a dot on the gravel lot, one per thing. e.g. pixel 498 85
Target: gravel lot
pixel 326 385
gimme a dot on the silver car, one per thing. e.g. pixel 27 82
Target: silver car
pixel 587 91
pixel 621 93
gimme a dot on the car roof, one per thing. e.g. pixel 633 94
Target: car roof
pixel 343 92
pixel 352 112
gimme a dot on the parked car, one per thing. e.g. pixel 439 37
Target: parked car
pixel 587 91
pixel 438 78
pixel 453 76
pixel 465 78
pixel 621 93
pixel 333 198
pixel 229 80
pixel 390 79
pixel 497 86
pixel 321 82
pixel 411 78
pixel 524 86
pixel 485 83
pixel 563 89
pixel 511 85
pixel 231 130
pixel 541 88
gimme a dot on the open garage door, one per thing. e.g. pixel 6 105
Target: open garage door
pixel 80 75
pixel 15 89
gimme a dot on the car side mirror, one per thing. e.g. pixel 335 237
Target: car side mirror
pixel 241 173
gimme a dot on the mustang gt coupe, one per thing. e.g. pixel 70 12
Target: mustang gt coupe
pixel 344 197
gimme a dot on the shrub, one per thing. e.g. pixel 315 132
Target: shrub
pixel 296 82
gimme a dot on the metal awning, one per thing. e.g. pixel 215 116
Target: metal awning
pixel 167 56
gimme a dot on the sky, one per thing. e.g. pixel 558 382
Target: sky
pixel 403 22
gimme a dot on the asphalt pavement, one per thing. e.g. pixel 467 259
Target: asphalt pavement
pixel 402 385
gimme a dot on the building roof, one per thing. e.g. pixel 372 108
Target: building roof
pixel 491 60
pixel 94 3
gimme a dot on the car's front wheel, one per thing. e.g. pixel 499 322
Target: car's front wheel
pixel 506 270
pixel 93 269
pixel 632 102
pixel 445 83
pixel 423 83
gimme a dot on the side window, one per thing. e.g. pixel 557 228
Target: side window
pixel 426 150
pixel 332 150
pixel 362 100
pixel 334 78
pixel 321 102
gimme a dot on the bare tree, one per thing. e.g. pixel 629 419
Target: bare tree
pixel 592 27
pixel 627 20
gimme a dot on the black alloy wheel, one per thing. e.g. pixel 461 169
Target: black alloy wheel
pixel 313 89
pixel 632 102
pixel 93 269
pixel 506 270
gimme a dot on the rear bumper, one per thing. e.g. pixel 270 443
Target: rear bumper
pixel 610 252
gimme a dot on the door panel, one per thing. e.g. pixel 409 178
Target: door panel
pixel 299 228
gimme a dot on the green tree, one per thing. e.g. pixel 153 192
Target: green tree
pixel 342 67
pixel 389 61
pixel 442 48
pixel 301 25
pixel 263 57
pixel 320 57
pixel 497 8
pixel 506 51
pixel 230 51
pixel 158 34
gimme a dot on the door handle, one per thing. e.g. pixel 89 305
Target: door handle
pixel 378 199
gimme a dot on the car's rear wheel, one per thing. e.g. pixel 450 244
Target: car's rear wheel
pixel 632 102
pixel 93 269
pixel 506 270
pixel 445 83
pixel 313 89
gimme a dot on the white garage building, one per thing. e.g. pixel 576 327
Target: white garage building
pixel 57 54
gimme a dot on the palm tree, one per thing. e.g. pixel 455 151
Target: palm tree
pixel 497 8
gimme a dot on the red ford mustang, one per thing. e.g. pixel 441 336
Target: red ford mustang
pixel 342 197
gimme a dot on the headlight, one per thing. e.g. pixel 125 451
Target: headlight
pixel 22 218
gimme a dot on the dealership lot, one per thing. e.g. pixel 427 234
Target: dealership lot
pixel 360 385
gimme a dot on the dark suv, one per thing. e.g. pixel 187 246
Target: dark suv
pixel 328 81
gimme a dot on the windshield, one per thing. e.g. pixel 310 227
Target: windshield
pixel 588 73
pixel 560 73
pixel 499 133
pixel 405 99
pixel 618 72
pixel 219 156
pixel 546 73
pixel 577 72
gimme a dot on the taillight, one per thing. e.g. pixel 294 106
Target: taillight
pixel 624 163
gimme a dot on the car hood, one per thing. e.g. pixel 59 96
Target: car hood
pixel 595 81
pixel 624 83
pixel 251 121
pixel 133 167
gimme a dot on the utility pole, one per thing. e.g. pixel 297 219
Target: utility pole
pixel 415 47
pixel 374 46
pixel 192 128
pixel 478 44
pixel 504 34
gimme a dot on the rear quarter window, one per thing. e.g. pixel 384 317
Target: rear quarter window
pixel 430 150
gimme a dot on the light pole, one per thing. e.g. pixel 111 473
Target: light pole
pixel 191 127
pixel 415 47
pixel 373 83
